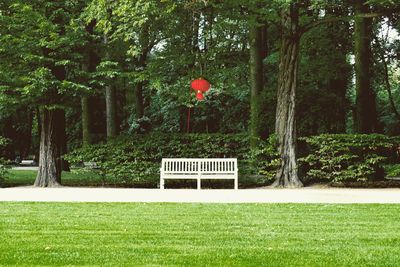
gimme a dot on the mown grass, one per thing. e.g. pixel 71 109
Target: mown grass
pixel 27 177
pixel 87 178
pixel 116 234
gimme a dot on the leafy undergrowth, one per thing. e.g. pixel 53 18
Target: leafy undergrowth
pixel 117 234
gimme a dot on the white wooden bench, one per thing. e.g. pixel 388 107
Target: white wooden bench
pixel 194 168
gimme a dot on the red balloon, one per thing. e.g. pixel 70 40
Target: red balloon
pixel 200 96
pixel 200 84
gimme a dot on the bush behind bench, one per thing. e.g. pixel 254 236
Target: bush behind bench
pixel 135 159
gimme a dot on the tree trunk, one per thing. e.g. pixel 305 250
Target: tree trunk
pixel 86 139
pixel 111 111
pixel 139 101
pixel 385 73
pixel 256 81
pixel 285 126
pixel 89 66
pixel 338 84
pixel 49 173
pixel 110 96
pixel 366 115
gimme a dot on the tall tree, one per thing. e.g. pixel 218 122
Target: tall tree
pixel 91 60
pixel 138 24
pixel 258 52
pixel 366 114
pixel 285 126
pixel 110 91
pixel 86 138
pixel 39 44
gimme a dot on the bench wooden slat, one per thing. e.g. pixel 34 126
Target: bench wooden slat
pixel 198 168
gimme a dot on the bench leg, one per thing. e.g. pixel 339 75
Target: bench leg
pixel 198 184
pixel 236 184
pixel 162 184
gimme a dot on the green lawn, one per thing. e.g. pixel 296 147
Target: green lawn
pixel 199 234
pixel 27 177
pixel 93 179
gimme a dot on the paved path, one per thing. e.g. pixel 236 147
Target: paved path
pixel 303 195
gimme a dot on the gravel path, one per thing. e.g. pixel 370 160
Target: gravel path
pixel 303 195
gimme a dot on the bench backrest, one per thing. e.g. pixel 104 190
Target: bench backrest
pixel 193 165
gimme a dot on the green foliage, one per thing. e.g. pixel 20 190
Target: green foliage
pixel 3 171
pixel 344 158
pixel 3 142
pixel 265 158
pixel 3 163
pixel 137 158
pixel 393 170
pixel 41 42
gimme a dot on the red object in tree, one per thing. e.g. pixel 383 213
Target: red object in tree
pixel 199 96
pixel 200 85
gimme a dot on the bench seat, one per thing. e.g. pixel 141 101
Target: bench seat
pixel 198 168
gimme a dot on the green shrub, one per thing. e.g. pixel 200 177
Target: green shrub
pixel 344 158
pixel 3 163
pixel 136 159
pixel 393 170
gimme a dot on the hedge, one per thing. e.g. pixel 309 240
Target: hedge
pixel 136 159
pixel 347 158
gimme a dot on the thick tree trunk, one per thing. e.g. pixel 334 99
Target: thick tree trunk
pixel 286 107
pixel 49 173
pixel 366 115
pixel 85 121
pixel 111 112
pixel 256 82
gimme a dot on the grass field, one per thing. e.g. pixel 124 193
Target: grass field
pixel 199 234
pixel 93 179
pixel 27 177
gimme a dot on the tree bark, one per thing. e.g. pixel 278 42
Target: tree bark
pixel 49 173
pixel 366 115
pixel 146 46
pixel 285 126
pixel 111 111
pixel 86 139
pixel 110 96
pixel 339 83
pixel 256 81
pixel 139 100
pixel 386 79
pixel 89 66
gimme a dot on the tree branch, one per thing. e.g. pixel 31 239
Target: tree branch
pixel 386 79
